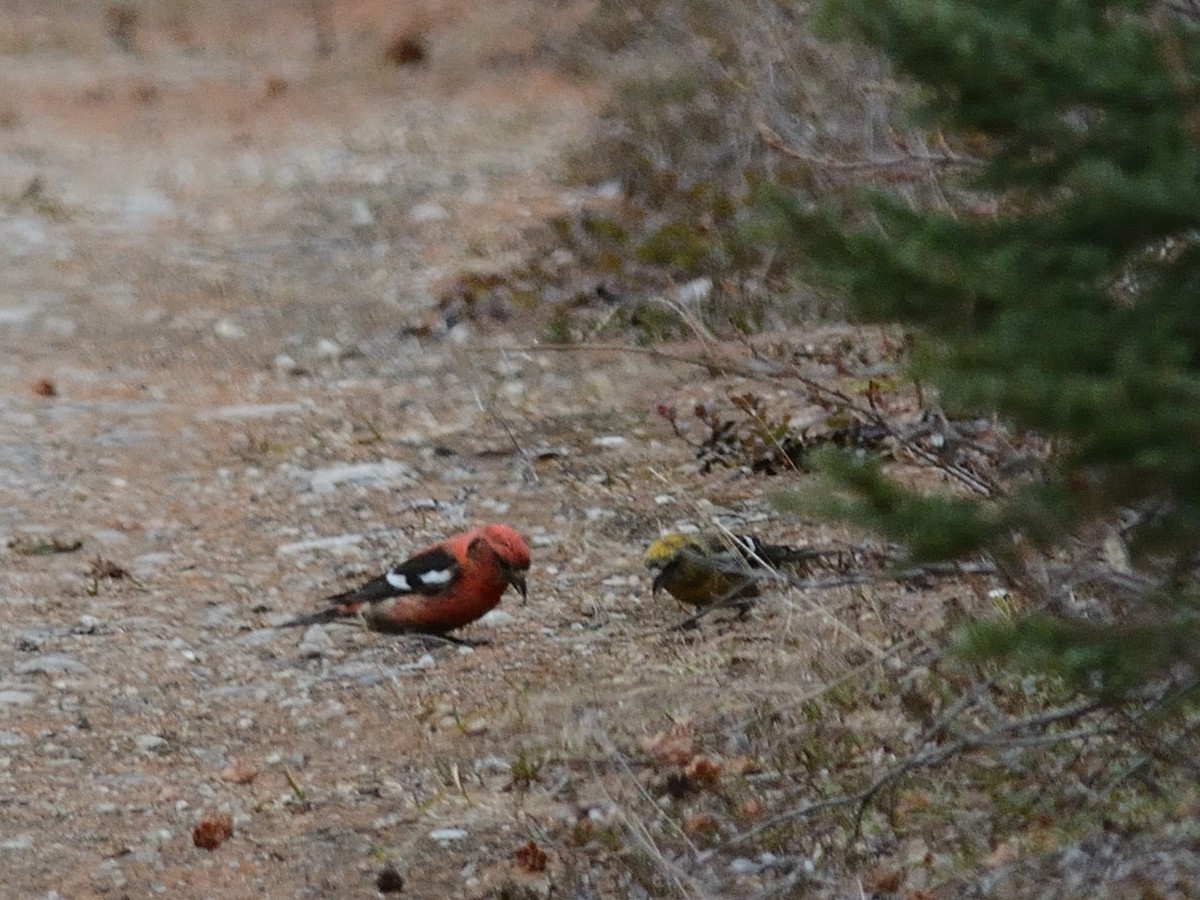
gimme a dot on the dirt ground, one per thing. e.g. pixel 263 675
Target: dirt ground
pixel 219 247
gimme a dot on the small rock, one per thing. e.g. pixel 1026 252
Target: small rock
pixel 360 213
pixel 428 212
pixel 88 625
pixel 695 291
pixel 382 474
pixel 327 349
pixel 622 581
pixel 263 636
pixel 148 563
pixel 497 618
pixel 492 764
pixel 610 441
pixel 146 206
pixel 11 739
pixel 239 773
pixel 337 542
pixel 448 834
pixel 15 698
pixel 240 411
pixel 151 743
pixel 51 664
pixel 610 190
pixel 229 330
pixel 31 640
pixel 743 866
pixel 315 643
pixel 288 366
pixel 220 614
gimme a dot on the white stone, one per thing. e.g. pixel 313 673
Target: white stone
pixel 315 643
pixel 252 411
pixel 51 664
pixel 610 441
pixel 497 618
pixel 382 474
pixel 150 743
pixel 428 212
pixel 327 349
pixel 336 542
pixel 360 213
pixel 694 291
pixel 229 330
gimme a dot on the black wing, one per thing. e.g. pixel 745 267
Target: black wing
pixel 428 573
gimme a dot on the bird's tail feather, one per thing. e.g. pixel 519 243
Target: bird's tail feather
pixel 323 617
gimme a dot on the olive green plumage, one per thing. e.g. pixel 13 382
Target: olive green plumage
pixel 706 569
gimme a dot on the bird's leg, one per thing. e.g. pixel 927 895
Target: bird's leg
pixel 431 640
pixel 731 600
pixel 693 620
pixel 743 609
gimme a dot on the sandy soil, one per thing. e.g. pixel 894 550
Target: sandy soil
pixel 215 243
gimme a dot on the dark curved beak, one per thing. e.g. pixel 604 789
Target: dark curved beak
pixel 657 584
pixel 517 579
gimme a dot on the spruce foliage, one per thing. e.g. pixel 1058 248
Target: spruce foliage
pixel 1068 303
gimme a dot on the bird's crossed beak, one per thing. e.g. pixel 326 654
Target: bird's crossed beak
pixel 517 579
pixel 657 585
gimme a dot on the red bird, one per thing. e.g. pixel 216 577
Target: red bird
pixel 441 588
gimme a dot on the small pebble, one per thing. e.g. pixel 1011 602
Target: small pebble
pixel 327 349
pixel 229 330
pixel 610 441
pixel 150 743
pixel 51 664
pixel 315 643
pixel 743 866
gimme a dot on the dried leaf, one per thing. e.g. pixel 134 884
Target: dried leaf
pixel 703 771
pixel 212 831
pixel 675 746
pixel 883 879
pixel 751 810
pixel 531 859
pixel 239 773
pixel 699 823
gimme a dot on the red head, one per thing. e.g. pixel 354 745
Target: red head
pixel 509 545
pixel 511 552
